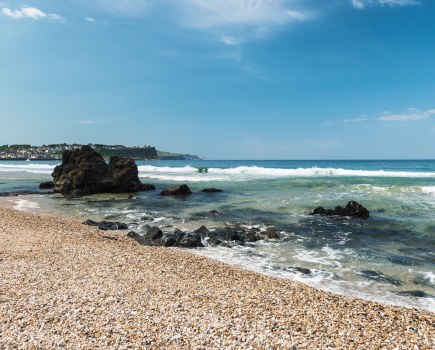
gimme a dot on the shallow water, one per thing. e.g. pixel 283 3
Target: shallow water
pixel 374 259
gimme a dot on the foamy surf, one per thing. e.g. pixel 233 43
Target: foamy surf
pixel 189 173
pixel 39 168
pixel 24 205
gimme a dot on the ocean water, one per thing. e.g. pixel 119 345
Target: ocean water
pixel 376 259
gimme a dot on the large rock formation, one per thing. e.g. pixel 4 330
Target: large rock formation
pixel 84 171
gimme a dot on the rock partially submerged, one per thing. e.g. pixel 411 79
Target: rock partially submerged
pixel 178 190
pixel 84 171
pixel 154 236
pixel 352 208
pixel 211 190
pixel 107 225
pixel 380 277
pixel 46 185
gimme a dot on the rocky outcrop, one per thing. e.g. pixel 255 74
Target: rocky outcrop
pixel 84 171
pixel 352 208
pixel 178 190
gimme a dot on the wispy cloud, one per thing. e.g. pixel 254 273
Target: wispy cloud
pixel 89 19
pixel 29 13
pixel 347 121
pixel 411 115
pixel 230 40
pixel 235 20
pixel 361 4
pixel 224 13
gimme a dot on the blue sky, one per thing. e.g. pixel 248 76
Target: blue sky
pixel 228 79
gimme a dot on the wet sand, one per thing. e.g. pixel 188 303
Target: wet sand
pixel 70 286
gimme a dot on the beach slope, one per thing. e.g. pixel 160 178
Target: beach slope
pixel 67 285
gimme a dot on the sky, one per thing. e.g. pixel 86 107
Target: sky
pixel 227 79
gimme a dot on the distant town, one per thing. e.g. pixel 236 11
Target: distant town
pixel 54 152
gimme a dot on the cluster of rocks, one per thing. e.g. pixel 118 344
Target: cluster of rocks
pixel 228 236
pixel 352 208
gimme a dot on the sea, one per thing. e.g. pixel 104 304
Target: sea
pixel 388 258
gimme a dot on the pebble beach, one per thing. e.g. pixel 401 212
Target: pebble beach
pixel 65 285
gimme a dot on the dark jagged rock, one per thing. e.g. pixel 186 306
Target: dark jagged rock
pixel 414 293
pixel 131 234
pixel 352 208
pixel 252 236
pixel 153 233
pixel 153 236
pixel 271 233
pixel 178 190
pixel 84 171
pixel 47 185
pixel 203 231
pixel 107 225
pixel 187 240
pixel 302 270
pixel 380 277
pixel 211 190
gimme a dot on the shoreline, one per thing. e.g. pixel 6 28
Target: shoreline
pixel 68 284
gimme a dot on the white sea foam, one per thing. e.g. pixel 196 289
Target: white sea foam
pixel 24 205
pixel 39 168
pixel 428 189
pixel 189 173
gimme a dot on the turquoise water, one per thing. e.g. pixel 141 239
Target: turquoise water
pixel 397 242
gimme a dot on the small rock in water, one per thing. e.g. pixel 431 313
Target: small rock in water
pixel 380 277
pixel 107 225
pixel 46 185
pixel 302 270
pixel 211 190
pixel 403 260
pixel 414 293
pixel 179 190
pixel 202 230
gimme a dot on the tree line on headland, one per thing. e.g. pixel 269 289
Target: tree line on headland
pixel 54 152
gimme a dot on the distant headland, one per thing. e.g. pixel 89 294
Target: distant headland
pixel 54 152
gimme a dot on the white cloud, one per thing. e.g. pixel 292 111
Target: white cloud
pixel 213 14
pixel 230 40
pixel 361 4
pixel 29 12
pixel 347 121
pixel 89 19
pixel 411 115
pixel 224 13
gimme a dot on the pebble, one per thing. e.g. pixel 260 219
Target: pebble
pixel 65 285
